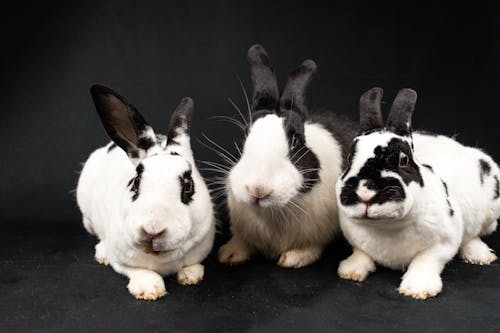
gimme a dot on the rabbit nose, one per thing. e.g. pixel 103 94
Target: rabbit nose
pixel 258 192
pixel 153 234
pixel 365 195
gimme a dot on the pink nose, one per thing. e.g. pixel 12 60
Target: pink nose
pixel 258 192
pixel 153 234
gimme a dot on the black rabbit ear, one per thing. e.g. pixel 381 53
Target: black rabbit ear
pixel 370 113
pixel 123 123
pixel 180 123
pixel 293 96
pixel 265 86
pixel 399 120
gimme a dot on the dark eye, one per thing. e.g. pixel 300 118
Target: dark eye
pixel 403 160
pixel 187 186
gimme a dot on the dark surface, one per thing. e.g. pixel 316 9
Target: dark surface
pixel 156 53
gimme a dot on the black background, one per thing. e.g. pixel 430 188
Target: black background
pixel 155 53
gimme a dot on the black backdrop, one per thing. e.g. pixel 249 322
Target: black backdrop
pixel 156 52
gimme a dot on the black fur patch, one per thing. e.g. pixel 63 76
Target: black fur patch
pixel 451 211
pixel 306 162
pixel 145 143
pixel 484 169
pixel 349 158
pixel 386 188
pixel 136 182
pixel 112 146
pixel 187 187
pixel 445 188
pixel 428 167
pixel 172 131
pixel 497 188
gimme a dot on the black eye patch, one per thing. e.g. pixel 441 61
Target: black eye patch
pixel 306 162
pixel 135 183
pixel 187 187
pixel 387 159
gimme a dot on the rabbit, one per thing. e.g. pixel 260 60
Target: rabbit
pixel 280 193
pixel 413 200
pixel 144 199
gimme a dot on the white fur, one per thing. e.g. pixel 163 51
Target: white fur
pixel 419 234
pixel 287 223
pixel 110 214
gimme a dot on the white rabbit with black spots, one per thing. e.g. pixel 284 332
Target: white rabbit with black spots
pixel 281 193
pixel 144 199
pixel 411 200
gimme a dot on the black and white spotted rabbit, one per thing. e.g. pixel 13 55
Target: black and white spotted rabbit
pixel 144 198
pixel 411 200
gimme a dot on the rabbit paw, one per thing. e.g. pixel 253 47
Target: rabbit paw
pixel 420 285
pixel 477 252
pixel 100 254
pixel 299 257
pixel 356 267
pixel 190 275
pixel 146 285
pixel 233 253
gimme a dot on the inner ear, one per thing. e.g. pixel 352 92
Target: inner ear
pixel 122 122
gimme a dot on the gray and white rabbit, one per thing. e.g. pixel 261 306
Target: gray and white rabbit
pixel 144 199
pixel 281 193
pixel 411 200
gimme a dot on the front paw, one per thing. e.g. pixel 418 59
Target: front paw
pixel 146 285
pixel 420 285
pixel 233 253
pixel 190 275
pixel 100 254
pixel 357 267
pixel 299 257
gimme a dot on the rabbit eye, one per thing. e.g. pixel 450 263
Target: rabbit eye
pixel 403 160
pixel 187 185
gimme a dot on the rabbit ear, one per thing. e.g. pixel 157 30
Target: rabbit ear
pixel 180 123
pixel 265 86
pixel 399 120
pixel 370 113
pixel 123 123
pixel 293 96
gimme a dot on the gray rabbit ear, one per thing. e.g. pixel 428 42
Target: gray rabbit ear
pixel 370 113
pixel 294 93
pixel 399 120
pixel 180 123
pixel 265 86
pixel 123 123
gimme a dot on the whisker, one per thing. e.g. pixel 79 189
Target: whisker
pixel 297 152
pixel 220 147
pixel 215 164
pixel 238 109
pixel 304 154
pixel 237 147
pixel 248 102
pixel 229 120
pixel 220 154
